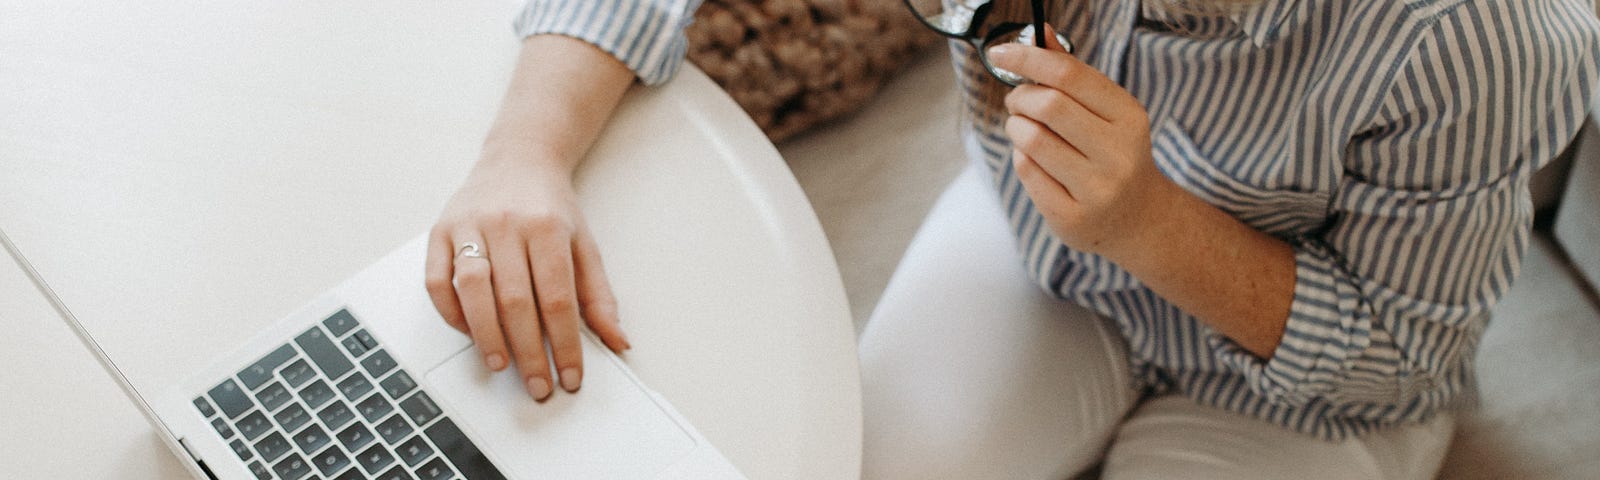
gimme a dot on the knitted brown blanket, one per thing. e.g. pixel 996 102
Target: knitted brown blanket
pixel 795 63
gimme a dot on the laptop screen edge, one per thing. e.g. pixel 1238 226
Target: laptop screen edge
pixel 39 283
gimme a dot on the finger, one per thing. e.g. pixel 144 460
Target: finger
pixel 519 317
pixel 1053 41
pixel 1066 73
pixel 558 304
pixel 475 288
pixel 1059 160
pixel 437 275
pixel 1064 116
pixel 1047 194
pixel 594 293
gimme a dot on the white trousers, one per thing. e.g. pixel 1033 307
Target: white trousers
pixel 969 371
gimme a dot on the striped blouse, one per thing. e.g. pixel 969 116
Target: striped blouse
pixel 1389 141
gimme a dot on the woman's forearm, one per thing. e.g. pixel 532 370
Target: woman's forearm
pixel 1234 278
pixel 562 92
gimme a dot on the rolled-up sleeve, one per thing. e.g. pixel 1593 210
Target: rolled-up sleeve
pixel 646 35
pixel 1431 219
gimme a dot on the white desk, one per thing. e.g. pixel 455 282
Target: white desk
pixel 183 174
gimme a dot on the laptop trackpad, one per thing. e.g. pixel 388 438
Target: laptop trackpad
pixel 610 429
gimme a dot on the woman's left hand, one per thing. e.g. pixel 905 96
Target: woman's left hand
pixel 1081 148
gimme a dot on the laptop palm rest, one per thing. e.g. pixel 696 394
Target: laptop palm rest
pixel 611 428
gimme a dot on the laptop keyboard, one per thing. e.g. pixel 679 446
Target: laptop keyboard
pixel 333 404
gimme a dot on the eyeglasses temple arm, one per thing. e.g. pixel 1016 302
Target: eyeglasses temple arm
pixel 1038 24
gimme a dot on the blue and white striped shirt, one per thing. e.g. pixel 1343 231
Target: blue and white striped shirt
pixel 1389 141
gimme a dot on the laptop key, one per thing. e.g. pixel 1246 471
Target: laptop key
pixel 204 406
pixel 396 473
pixel 294 467
pixel 323 353
pixel 393 429
pixel 340 323
pixel 273 446
pixel 297 373
pixel 355 437
pixel 374 407
pixel 292 417
pixel 420 408
pixel 354 387
pixel 374 459
pixel 261 371
pixel 317 394
pixel 253 425
pixel 241 450
pixel 398 384
pixel 312 439
pixel 366 339
pixel 414 451
pixel 353 345
pixel 351 474
pixel 260 471
pixel 273 396
pixel 331 461
pixel 378 363
pixel 230 398
pixel 435 470
pixel 336 415
pixel 222 428
pixel 462 452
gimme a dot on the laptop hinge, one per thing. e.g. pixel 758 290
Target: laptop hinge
pixel 196 459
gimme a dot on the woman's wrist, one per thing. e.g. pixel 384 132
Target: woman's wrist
pixel 1160 221
pixel 527 154
pixel 561 94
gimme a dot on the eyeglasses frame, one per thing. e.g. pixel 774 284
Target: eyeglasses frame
pixel 975 23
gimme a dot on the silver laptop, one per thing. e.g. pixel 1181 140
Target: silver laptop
pixel 367 382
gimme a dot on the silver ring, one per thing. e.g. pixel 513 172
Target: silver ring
pixel 469 250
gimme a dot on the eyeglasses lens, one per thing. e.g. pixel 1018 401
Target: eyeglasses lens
pixel 950 17
pixel 1023 36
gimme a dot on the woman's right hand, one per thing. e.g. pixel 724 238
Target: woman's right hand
pixel 538 275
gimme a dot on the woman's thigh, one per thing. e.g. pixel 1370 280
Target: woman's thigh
pixel 971 371
pixel 1174 437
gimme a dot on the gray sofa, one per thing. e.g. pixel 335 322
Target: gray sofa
pixel 873 176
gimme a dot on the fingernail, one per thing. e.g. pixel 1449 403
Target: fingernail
pixel 571 379
pixel 495 361
pixel 1000 50
pixel 538 387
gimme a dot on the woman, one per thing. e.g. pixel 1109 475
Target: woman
pixel 1280 226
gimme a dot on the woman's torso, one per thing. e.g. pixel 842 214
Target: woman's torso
pixel 1256 113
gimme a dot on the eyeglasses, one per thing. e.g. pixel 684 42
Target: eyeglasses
pixel 964 20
